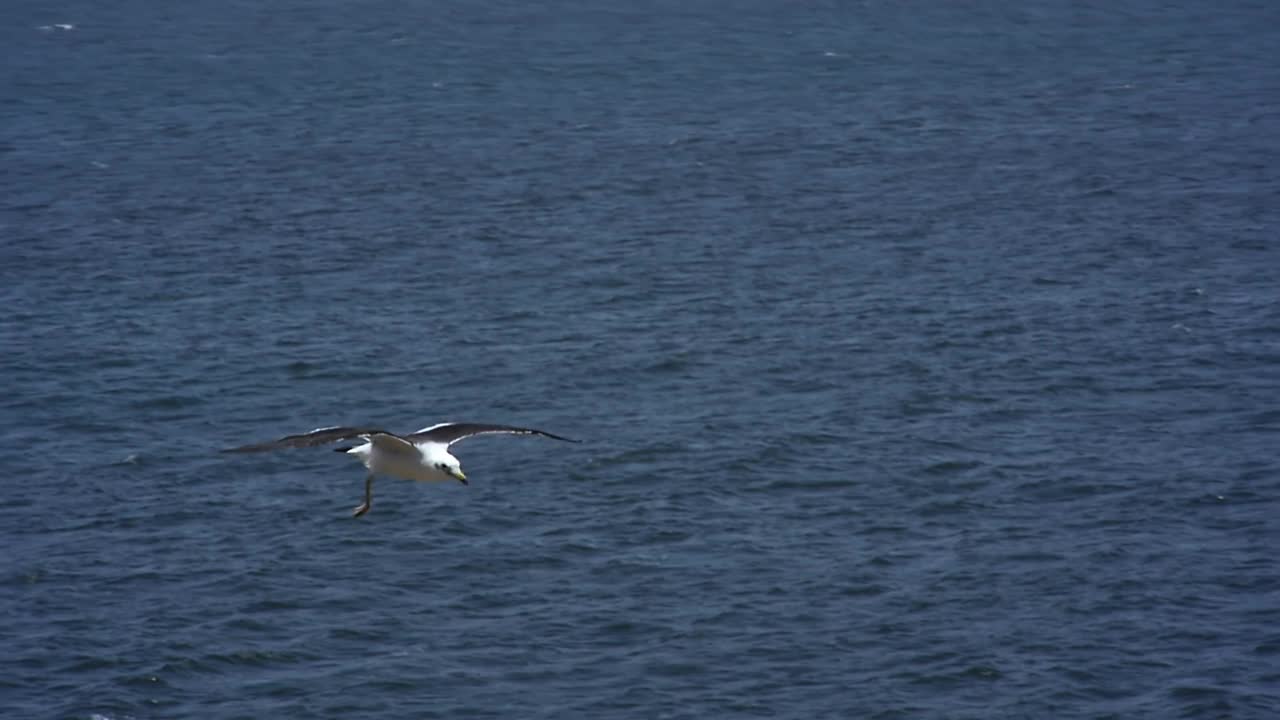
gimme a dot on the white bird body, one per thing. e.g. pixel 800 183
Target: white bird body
pixel 429 465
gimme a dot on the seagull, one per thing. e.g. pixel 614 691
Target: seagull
pixel 422 455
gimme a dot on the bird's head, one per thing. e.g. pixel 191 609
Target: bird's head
pixel 450 466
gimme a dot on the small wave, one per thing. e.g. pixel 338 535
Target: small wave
pixel 952 467
pixel 809 485
pixel 166 402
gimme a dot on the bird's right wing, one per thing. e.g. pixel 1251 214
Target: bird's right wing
pixel 393 444
pixel 320 436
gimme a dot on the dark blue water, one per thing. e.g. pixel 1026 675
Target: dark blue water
pixel 927 357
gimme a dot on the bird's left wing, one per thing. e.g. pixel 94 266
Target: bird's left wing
pixel 450 433
pixel 320 436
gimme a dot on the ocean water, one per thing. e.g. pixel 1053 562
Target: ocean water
pixel 926 357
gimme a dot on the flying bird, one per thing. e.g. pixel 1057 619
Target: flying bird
pixel 423 455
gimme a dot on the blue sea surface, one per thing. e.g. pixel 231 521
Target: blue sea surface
pixel 926 357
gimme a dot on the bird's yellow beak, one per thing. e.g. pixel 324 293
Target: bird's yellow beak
pixel 462 478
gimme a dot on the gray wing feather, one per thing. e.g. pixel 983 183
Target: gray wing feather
pixel 450 433
pixel 393 444
pixel 321 436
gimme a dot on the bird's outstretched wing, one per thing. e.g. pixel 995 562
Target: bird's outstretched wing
pixel 319 436
pixel 394 444
pixel 450 433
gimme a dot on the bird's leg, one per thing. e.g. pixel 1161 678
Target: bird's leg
pixel 368 497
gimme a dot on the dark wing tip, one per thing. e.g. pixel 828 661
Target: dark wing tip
pixel 245 449
pixel 554 436
pixel 320 436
